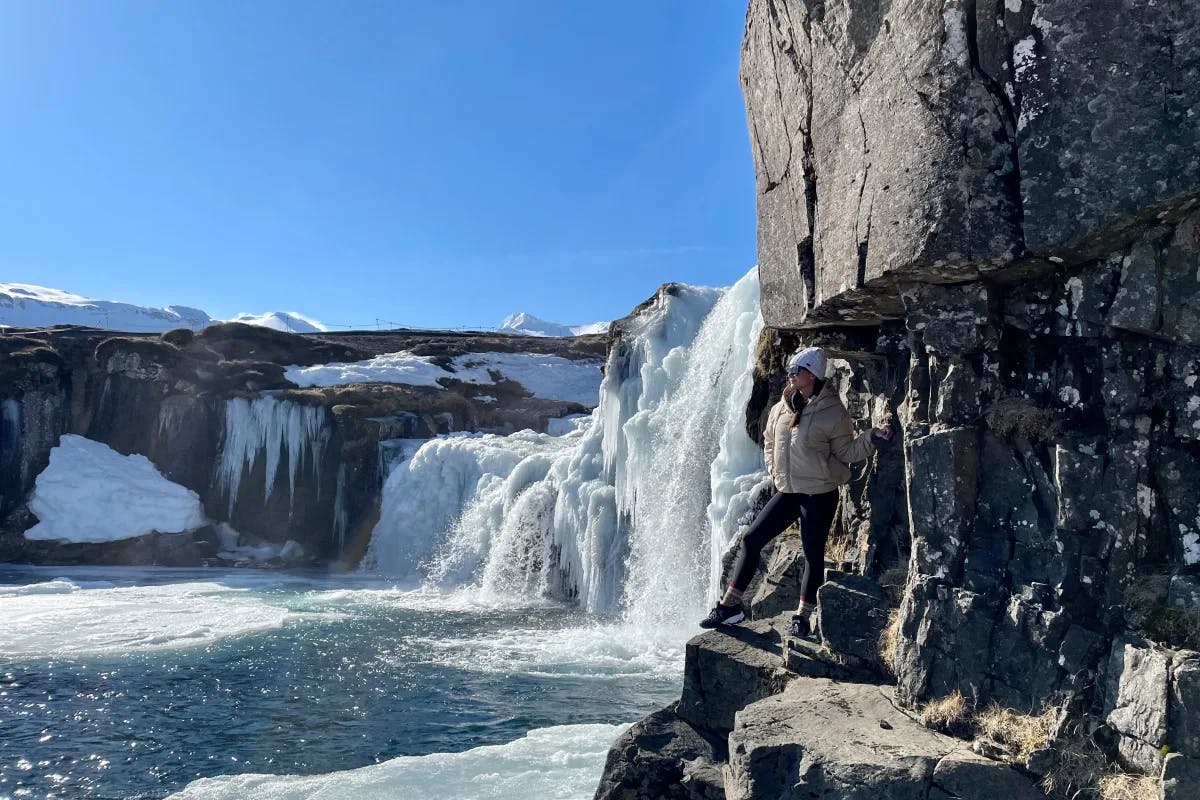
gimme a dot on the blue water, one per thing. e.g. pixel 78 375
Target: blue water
pixel 110 688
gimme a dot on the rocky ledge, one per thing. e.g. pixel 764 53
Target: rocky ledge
pixel 765 717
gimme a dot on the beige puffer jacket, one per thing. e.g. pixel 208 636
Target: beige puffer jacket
pixel 813 456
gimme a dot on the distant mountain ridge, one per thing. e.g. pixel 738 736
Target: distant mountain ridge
pixel 24 305
pixel 530 325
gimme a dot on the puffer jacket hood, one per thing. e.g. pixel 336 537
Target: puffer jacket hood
pixel 814 456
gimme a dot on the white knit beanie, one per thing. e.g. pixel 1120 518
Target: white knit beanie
pixel 811 359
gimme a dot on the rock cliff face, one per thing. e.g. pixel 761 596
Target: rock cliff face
pixel 988 212
pixel 213 411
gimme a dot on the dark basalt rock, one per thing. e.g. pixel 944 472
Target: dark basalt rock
pixel 853 614
pixel 192 549
pixel 1016 185
pixel 728 668
pixel 662 757
pixel 830 740
pixel 943 141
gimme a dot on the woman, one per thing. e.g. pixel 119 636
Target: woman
pixel 808 444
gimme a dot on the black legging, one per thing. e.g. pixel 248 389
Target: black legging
pixel 815 512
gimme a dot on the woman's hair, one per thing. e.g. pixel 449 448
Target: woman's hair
pixel 818 385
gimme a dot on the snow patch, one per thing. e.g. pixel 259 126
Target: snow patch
pixel 91 493
pixel 545 376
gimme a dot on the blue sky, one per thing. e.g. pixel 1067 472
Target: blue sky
pixel 430 164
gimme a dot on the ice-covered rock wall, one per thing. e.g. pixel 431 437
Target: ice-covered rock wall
pixel 629 512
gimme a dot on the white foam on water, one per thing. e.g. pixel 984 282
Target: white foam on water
pixel 569 648
pixel 563 762
pixel 586 651
pixel 65 618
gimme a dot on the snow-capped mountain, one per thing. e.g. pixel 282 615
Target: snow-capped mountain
pixel 281 321
pixel 532 326
pixel 24 305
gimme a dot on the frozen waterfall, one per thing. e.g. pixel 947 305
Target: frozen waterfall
pixel 627 514
pixel 274 429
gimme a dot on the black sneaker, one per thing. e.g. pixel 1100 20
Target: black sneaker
pixel 800 628
pixel 723 615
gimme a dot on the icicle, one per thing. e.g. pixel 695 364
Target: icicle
pixel 276 428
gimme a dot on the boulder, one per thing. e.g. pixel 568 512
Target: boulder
pixel 729 668
pixel 824 740
pixel 1135 703
pixel 662 757
pixel 1180 778
pixel 853 613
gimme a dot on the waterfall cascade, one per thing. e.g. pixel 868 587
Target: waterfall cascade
pixel 630 512
pixel 276 429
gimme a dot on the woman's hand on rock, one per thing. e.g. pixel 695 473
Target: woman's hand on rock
pixel 884 433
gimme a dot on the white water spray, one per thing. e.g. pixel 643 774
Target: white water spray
pixel 628 513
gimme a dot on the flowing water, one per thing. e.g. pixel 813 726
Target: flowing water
pixel 134 682
pixel 523 598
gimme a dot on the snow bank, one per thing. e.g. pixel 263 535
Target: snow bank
pixel 91 493
pixel 532 326
pixel 545 376
pixel 563 762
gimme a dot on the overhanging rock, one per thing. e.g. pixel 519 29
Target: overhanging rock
pixel 943 139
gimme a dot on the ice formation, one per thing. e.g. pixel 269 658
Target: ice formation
pixel 568 759
pixel 71 618
pixel 274 429
pixel 91 493
pixel 629 512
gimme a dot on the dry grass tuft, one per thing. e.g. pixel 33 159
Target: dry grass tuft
pixel 1119 786
pixel 1022 732
pixel 1077 764
pixel 889 640
pixel 1144 595
pixel 1017 417
pixel 1147 611
pixel 893 582
pixel 947 714
pixel 841 549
